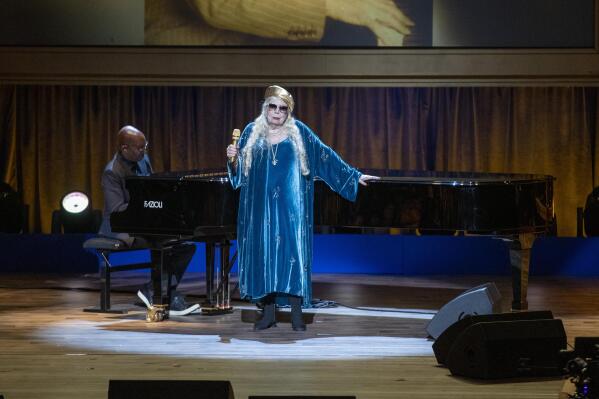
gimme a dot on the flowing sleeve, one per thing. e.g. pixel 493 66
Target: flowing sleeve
pixel 328 165
pixel 236 173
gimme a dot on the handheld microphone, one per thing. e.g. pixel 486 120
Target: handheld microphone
pixel 236 135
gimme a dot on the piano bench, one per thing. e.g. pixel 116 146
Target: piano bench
pixel 104 246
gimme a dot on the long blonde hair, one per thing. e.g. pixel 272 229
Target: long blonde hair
pixel 260 131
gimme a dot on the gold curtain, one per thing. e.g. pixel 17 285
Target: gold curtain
pixel 8 139
pixel 58 138
pixel 520 130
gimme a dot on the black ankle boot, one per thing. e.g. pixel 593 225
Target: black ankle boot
pixel 297 323
pixel 268 317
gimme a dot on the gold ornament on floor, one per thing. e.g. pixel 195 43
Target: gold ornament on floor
pixel 157 313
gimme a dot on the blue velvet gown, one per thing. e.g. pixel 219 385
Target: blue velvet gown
pixel 275 219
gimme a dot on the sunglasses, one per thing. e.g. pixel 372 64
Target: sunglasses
pixel 281 108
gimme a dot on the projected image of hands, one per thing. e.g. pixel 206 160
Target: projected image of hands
pixel 312 23
pixel 386 21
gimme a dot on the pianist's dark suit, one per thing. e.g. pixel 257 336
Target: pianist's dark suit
pixel 116 196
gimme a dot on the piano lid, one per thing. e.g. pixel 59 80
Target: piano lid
pixel 213 175
pixel 454 178
pixel 482 203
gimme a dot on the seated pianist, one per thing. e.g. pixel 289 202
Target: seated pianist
pixel 131 159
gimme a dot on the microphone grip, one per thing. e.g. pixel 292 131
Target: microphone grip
pixel 236 134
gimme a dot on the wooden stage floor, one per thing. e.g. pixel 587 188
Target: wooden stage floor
pixel 49 348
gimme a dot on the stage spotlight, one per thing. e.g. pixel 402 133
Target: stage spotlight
pixel 75 202
pixel 76 215
pixel 11 210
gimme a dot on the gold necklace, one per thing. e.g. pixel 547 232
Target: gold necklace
pixel 274 153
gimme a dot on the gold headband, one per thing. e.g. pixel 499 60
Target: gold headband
pixel 278 91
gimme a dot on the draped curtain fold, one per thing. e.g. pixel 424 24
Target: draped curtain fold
pixel 58 138
pixel 8 138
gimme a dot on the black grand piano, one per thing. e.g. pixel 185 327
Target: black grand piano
pixel 169 208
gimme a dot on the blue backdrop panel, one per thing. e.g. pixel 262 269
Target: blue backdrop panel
pixel 46 253
pixel 384 254
pixel 371 254
pixel 565 256
pixel 353 253
pixel 455 255
pixel 430 255
pixel 197 263
pixel 409 255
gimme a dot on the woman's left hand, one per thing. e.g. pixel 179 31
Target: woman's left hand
pixel 364 179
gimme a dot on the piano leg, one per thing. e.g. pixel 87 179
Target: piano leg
pixel 210 297
pixel 520 261
pixel 223 295
pixel 218 296
pixel 160 299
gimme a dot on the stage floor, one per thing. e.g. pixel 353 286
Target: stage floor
pixel 373 345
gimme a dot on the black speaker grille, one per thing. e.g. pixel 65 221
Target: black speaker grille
pixel 176 389
pixel 505 349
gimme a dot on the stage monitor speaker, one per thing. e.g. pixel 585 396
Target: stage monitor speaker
pixel 483 299
pixel 175 389
pixel 443 344
pixel 505 349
